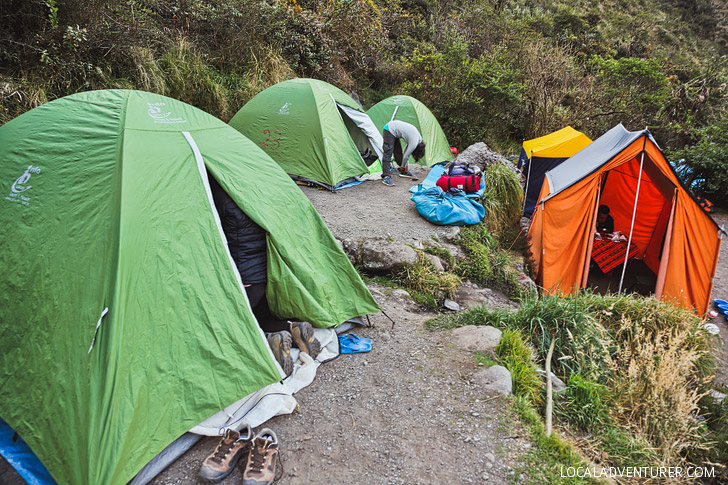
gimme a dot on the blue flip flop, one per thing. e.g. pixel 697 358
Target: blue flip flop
pixel 352 344
pixel 720 302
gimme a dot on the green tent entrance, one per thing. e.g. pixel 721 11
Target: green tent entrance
pixel 122 315
pixel 409 109
pixel 314 130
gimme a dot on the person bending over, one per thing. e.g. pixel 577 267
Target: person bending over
pixel 247 244
pixel 605 222
pixel 393 132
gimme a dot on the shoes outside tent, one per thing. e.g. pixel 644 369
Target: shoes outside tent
pixel 232 446
pixel 262 464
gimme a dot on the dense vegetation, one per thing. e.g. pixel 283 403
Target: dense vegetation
pixel 498 71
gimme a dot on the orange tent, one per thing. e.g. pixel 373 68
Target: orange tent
pixel 627 171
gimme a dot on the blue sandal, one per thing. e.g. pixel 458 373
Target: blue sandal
pixel 351 344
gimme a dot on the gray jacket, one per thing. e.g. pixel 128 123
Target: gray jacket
pixel 408 133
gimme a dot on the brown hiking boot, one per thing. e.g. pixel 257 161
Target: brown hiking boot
pixel 280 343
pixel 262 459
pixel 222 461
pixel 302 333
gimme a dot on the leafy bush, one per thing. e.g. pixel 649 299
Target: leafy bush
pixel 708 160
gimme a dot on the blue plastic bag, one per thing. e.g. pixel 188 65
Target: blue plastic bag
pixel 447 209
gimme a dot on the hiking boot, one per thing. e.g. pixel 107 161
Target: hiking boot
pixel 304 339
pixel 280 344
pixel 222 461
pixel 387 180
pixel 260 468
pixel 406 174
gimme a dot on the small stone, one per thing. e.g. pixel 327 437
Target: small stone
pixel 495 379
pixel 451 305
pixel 718 396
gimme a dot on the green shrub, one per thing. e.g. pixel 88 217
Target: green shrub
pixel 426 285
pixel 585 403
pixel 503 185
pixel 515 355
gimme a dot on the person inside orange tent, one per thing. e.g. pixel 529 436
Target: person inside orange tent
pixel 605 222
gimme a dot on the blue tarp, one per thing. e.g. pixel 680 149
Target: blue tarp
pixel 19 455
pixel 446 208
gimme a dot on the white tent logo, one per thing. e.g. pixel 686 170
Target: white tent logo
pixel 285 109
pixel 21 185
pixel 156 113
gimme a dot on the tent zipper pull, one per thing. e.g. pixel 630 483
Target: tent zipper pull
pixel 98 324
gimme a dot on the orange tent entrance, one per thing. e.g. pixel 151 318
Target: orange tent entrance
pixel 627 171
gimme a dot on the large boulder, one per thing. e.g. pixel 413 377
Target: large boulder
pixel 495 379
pixel 481 155
pixel 380 255
pixel 480 338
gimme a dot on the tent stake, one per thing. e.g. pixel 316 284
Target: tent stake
pixel 389 318
pixel 634 213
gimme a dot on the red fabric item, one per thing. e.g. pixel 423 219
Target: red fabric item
pixel 608 254
pixel 466 183
pixel 454 150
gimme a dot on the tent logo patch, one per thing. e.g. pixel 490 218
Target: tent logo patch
pixel 285 109
pixel 156 112
pixel 21 185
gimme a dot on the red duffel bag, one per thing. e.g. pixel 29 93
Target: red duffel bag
pixel 466 183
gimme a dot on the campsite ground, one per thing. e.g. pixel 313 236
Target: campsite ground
pixel 407 411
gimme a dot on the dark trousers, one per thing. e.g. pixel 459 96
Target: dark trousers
pixel 390 146
pixel 259 303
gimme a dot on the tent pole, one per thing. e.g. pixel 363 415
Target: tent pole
pixel 590 245
pixel 634 213
pixel 528 177
pixel 395 113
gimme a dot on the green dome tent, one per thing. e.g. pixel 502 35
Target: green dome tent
pixel 124 322
pixel 407 108
pixel 314 130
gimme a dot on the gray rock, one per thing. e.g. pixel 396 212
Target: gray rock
pixel 480 338
pixel 526 282
pixel 451 305
pixel 495 379
pixel 381 255
pixel 351 248
pixel 436 262
pixel 470 295
pixel 453 249
pixel 719 397
pixel 557 384
pixel 481 155
pixel 452 233
pixel 400 293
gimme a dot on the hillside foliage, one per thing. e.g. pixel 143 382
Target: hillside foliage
pixel 499 71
